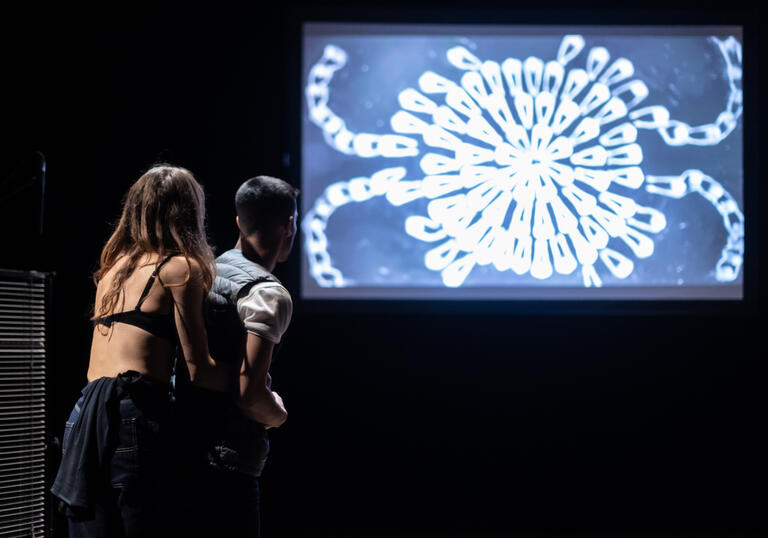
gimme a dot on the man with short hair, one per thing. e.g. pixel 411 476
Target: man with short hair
pixel 247 313
pixel 266 217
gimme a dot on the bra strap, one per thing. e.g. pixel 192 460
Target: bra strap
pixel 150 282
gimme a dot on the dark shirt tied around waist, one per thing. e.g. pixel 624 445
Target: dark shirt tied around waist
pixel 87 448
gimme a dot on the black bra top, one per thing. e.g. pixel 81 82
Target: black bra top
pixel 161 325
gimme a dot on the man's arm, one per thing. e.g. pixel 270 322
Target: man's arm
pixel 257 400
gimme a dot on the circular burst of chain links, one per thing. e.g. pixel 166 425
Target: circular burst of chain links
pixel 673 132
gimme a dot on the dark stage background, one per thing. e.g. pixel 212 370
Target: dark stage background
pixel 472 420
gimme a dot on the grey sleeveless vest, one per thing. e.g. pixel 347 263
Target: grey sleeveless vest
pixel 235 277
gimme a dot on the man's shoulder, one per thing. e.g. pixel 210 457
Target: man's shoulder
pixel 270 290
pixel 266 310
pixel 234 269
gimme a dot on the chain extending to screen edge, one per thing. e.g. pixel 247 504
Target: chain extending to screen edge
pixel 732 255
pixel 678 133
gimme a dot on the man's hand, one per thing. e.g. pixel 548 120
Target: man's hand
pixel 257 399
pixel 279 401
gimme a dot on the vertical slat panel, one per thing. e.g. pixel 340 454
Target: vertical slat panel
pixel 22 404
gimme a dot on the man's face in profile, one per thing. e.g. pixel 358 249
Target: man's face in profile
pixel 288 244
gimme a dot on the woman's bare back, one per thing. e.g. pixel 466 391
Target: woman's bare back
pixel 120 346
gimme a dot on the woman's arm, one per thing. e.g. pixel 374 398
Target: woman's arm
pixel 185 283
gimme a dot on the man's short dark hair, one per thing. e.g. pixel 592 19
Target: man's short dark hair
pixel 263 203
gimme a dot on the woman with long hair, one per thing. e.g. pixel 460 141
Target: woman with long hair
pixel 121 450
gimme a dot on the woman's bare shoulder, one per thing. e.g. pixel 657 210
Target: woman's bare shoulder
pixel 180 270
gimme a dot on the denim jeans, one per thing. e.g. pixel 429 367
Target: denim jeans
pixel 137 484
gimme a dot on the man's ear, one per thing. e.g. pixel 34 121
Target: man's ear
pixel 290 226
pixel 237 221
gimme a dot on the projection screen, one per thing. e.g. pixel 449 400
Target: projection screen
pixel 519 162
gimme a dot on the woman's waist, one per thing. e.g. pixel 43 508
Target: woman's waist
pixel 153 364
pixel 134 392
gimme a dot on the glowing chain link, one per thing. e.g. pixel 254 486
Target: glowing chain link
pixel 732 255
pixel 336 195
pixel 334 128
pixel 678 133
pixel 338 136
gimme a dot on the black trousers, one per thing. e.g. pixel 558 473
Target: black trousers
pixel 222 499
pixel 226 505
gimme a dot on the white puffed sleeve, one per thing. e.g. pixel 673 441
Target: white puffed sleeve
pixel 266 311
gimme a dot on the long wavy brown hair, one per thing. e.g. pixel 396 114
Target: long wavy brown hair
pixel 163 214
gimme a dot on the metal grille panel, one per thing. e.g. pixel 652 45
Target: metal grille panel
pixel 22 404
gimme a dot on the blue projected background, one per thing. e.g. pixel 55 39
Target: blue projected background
pixel 490 162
